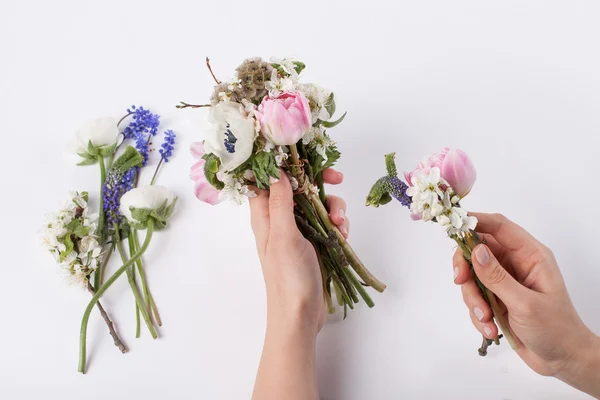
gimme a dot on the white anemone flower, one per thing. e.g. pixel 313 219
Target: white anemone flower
pixel 100 132
pixel 145 197
pixel 231 134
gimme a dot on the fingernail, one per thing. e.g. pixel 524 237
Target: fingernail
pixel 478 314
pixel 487 331
pixel 342 214
pixel 344 231
pixel 482 255
pixel 273 180
pixel 456 272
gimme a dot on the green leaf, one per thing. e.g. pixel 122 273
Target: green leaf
pixel 88 161
pixel 93 150
pixel 330 105
pixel 86 156
pixel 85 196
pixel 264 167
pixel 140 214
pixel 69 248
pixel 211 167
pixel 331 124
pixel 82 231
pixel 74 224
pixel 129 159
pixel 107 151
pixel 299 66
pixel 390 164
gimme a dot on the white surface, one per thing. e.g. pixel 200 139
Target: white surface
pixel 515 84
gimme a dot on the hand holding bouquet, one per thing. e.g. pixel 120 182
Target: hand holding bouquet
pixel 265 123
pixel 433 192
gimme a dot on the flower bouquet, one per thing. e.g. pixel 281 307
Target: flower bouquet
pixel 433 192
pixel 83 242
pixel 265 121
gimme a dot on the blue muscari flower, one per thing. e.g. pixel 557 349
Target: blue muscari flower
pixel 143 126
pixel 115 186
pixel 397 188
pixel 167 147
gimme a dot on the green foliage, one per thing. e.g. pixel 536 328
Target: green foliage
pixel 87 161
pixel 330 104
pixel 331 124
pixel 264 167
pixel 211 167
pixel 160 215
pixel 316 159
pixel 107 151
pixel 81 231
pixel 390 164
pixel 69 248
pixel 129 159
pixel 299 66
pixel 92 150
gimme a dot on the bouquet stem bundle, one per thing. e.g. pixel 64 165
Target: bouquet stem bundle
pixel 334 252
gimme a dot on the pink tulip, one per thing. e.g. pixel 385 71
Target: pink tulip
pixel 203 189
pixel 455 166
pixel 284 119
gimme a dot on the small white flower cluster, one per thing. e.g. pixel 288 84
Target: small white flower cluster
pixel 432 197
pixel 235 188
pixel 69 235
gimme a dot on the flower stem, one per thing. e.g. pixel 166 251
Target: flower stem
pixel 148 296
pixel 156 171
pixel 102 289
pixel 136 293
pixel 111 329
pixel 467 245
pixel 98 272
pixel 355 262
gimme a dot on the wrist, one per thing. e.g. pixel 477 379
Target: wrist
pixel 296 318
pixel 582 370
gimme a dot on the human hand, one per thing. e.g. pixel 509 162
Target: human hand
pixel 524 274
pixel 289 262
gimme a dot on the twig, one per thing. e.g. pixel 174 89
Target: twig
pixel 111 327
pixel 487 343
pixel 183 105
pixel 211 71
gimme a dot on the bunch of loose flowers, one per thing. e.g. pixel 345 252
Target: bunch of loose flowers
pixel 83 242
pixel 262 122
pixel 433 192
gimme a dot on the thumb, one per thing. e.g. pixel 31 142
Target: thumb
pixel 495 277
pixel 281 206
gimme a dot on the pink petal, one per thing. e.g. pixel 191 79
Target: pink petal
pixel 197 149
pixel 197 171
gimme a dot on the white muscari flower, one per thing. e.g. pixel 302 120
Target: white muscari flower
pixel 231 134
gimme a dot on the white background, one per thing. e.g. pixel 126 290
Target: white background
pixel 516 84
